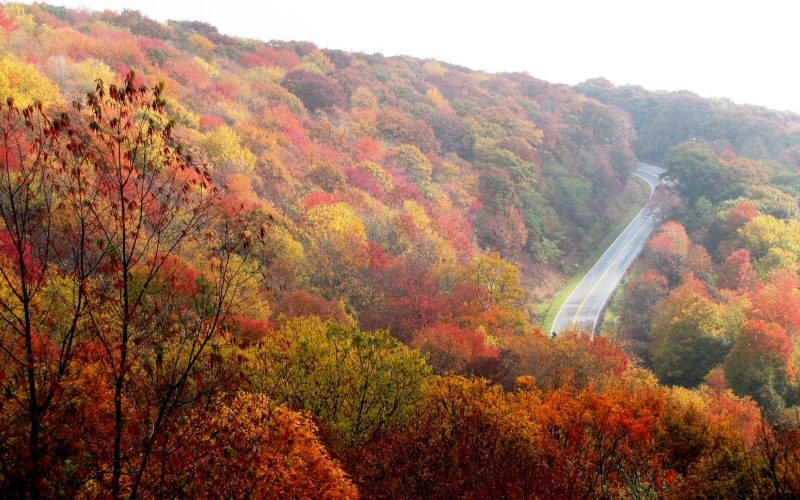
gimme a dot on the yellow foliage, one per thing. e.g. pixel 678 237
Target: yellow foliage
pixel 320 60
pixel 21 17
pixel 434 68
pixel 337 245
pixel 210 69
pixel 774 243
pixel 363 97
pixel 200 43
pixel 89 70
pixel 286 257
pixel 497 279
pixel 311 67
pixel 25 84
pixel 263 73
pixel 436 97
pixel 379 173
pixel 337 220
pixel 181 114
pixel 225 149
pixel 416 213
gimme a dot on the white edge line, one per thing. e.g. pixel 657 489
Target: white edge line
pixel 604 253
pixel 614 288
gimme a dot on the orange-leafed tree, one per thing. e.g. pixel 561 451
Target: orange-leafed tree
pixel 248 447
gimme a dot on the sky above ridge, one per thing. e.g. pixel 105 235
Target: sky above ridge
pixel 742 50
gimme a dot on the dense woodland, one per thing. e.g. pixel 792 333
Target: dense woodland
pixel 233 268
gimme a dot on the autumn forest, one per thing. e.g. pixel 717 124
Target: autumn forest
pixel 234 268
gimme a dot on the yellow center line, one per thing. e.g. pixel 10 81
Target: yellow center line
pixel 608 268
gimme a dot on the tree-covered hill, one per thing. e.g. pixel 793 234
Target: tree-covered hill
pixel 237 268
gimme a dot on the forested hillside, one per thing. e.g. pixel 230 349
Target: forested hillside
pixel 664 119
pixel 236 268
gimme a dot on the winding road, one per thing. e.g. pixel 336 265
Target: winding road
pixel 584 306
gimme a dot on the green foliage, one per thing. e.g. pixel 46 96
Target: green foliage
pixel 774 243
pixel 756 366
pixel 498 281
pixel 695 170
pixel 690 336
pixel 414 162
pixel 356 384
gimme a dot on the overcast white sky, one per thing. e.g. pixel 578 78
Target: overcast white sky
pixel 743 50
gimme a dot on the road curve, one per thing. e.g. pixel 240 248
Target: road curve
pixel 587 301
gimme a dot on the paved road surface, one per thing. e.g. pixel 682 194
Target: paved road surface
pixel 585 304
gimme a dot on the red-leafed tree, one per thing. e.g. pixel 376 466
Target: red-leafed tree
pixel 778 301
pixel 450 349
pixel 46 260
pixel 672 254
pixel 736 272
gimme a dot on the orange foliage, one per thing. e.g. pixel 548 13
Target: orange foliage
pixel 249 447
pixel 451 349
pixel 300 303
pixel 778 300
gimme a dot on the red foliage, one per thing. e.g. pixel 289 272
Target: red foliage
pixel 571 360
pixel 226 88
pixel 291 126
pixel 503 230
pixel 158 51
pixel 248 330
pixel 455 228
pixel 179 276
pixel 320 198
pixel 736 273
pixel 768 341
pixel 735 218
pixel 265 55
pixel 7 23
pixel 414 300
pixel 249 446
pixel 238 196
pixel 740 215
pixel 378 259
pixel 399 128
pixel 778 300
pixel 210 122
pixel 123 70
pixel 404 190
pixel 188 72
pixel 362 179
pixel 453 350
pixel 367 148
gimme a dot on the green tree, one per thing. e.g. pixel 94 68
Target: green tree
pixel 356 383
pixel 497 281
pixel 695 170
pixel 690 335
pixel 756 366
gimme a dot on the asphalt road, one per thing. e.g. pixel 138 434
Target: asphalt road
pixel 584 306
